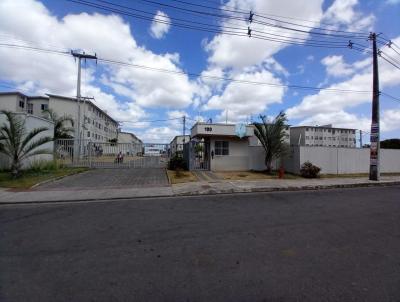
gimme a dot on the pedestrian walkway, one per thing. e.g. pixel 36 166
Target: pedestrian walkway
pixel 188 189
pixel 207 176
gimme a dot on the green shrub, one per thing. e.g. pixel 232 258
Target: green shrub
pixel 177 163
pixel 308 170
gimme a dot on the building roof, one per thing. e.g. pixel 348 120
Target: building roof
pixel 23 95
pixel 88 101
pixel 177 136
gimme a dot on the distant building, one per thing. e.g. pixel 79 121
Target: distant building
pixel 95 123
pixel 324 136
pixel 176 145
pixel 133 144
pixel 128 138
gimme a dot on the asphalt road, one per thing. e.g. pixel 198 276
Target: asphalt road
pixel 333 245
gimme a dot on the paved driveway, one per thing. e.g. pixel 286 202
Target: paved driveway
pixel 101 178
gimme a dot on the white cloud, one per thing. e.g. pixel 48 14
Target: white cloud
pixel 237 51
pixel 336 67
pixel 343 12
pixel 329 107
pixel 94 33
pixel 160 25
pixel 242 100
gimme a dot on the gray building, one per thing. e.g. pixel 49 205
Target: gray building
pixel 176 145
pixel 323 136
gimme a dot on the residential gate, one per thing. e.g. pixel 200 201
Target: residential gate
pixel 111 155
pixel 197 154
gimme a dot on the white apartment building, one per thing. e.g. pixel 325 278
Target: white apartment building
pixel 19 102
pixel 95 123
pixel 325 136
pixel 176 145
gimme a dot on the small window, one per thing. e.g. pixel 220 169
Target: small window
pixel 22 104
pixel 221 148
pixel 44 106
pixel 88 134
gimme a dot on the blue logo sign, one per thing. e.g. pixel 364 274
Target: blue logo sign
pixel 240 130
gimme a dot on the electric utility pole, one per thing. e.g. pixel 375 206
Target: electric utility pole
pixel 374 171
pixel 184 128
pixel 80 56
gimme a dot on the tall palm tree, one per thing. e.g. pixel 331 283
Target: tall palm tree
pixel 60 130
pixel 271 134
pixel 18 144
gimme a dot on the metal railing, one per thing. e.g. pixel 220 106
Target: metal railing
pixel 87 153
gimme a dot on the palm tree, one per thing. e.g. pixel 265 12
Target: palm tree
pixel 17 144
pixel 60 130
pixel 271 134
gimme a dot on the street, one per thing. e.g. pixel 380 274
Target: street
pixel 328 245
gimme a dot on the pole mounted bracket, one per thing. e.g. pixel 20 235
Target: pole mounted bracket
pixel 249 31
pixel 350 45
pixel 251 16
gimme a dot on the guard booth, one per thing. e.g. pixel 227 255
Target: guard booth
pixel 219 147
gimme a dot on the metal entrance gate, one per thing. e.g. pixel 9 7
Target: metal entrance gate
pixel 86 153
pixel 197 154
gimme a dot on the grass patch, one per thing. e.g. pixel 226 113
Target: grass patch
pixel 252 175
pixel 33 176
pixel 177 177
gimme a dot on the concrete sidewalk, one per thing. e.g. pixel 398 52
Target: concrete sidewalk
pixel 189 189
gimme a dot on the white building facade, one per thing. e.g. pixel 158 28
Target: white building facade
pixel 95 124
pixel 176 145
pixel 323 136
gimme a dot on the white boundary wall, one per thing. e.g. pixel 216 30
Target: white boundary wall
pixel 341 160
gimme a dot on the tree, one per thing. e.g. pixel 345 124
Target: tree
pixel 272 137
pixel 60 130
pixel 18 144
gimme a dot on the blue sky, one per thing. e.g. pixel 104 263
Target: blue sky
pixel 135 96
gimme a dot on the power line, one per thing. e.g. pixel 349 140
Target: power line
pixel 109 61
pixel 390 96
pixel 151 121
pixel 207 24
pixel 229 79
pixel 211 29
pixel 262 14
pixel 391 63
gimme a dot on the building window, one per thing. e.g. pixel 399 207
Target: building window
pixel 221 148
pixel 44 106
pixel 22 104
pixel 30 108
pixel 88 134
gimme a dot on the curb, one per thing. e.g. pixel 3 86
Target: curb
pixel 55 179
pixel 289 189
pixel 215 192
